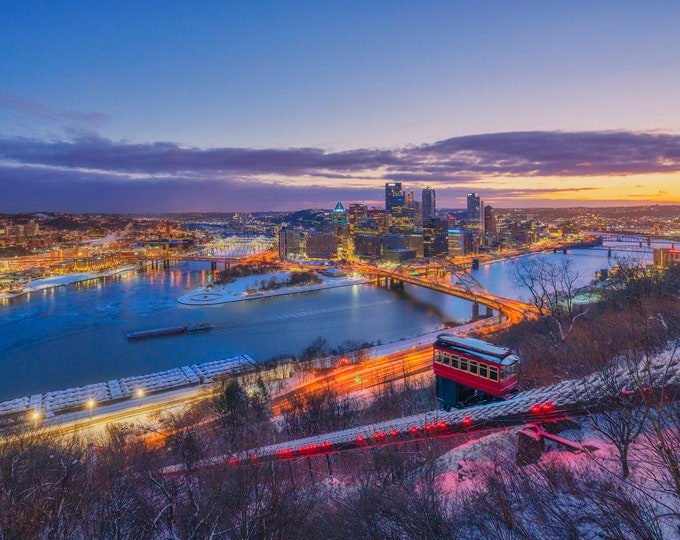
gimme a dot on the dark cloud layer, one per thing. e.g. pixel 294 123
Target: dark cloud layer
pixel 96 174
pixel 33 190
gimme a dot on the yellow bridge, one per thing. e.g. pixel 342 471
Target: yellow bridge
pixel 437 276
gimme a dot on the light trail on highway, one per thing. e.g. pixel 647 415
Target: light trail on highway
pixel 371 373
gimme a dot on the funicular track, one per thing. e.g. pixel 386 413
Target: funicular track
pixel 567 399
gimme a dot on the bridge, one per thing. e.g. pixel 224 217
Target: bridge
pixel 436 275
pixel 239 247
pixel 633 238
pixel 226 251
pixel 611 250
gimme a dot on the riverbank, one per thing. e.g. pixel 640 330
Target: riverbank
pixel 160 388
pixel 246 289
pixel 79 401
pixel 62 281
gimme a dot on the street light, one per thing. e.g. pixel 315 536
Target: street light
pixel 35 415
pixel 90 405
pixel 139 392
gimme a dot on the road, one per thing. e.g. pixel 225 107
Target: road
pixel 140 412
pixel 144 412
pixel 395 366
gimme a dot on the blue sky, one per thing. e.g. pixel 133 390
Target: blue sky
pixel 82 83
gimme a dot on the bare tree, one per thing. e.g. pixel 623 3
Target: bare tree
pixel 554 500
pixel 620 413
pixel 662 434
pixel 310 414
pixel 552 287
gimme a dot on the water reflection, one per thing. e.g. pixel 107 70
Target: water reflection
pixel 70 336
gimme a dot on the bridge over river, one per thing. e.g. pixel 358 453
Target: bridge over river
pixel 438 276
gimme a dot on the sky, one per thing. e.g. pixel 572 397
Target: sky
pixel 168 106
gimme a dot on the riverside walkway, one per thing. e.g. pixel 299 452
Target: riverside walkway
pixel 58 402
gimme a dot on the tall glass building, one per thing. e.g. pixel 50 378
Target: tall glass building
pixel 474 206
pixel 394 196
pixel 429 205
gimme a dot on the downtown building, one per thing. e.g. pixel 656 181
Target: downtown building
pixel 399 207
pixel 322 245
pixel 394 196
pixel 435 237
pixel 474 206
pixel 428 204
pixel 666 257
pixel 291 244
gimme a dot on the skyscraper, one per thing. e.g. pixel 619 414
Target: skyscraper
pixel 401 220
pixel 490 224
pixel 291 244
pixel 394 196
pixel 357 211
pixel 435 237
pixel 474 206
pixel 408 199
pixel 429 204
pixel 339 215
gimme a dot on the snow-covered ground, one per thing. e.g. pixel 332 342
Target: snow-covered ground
pixel 571 480
pixel 242 289
pixel 59 281
pixel 109 238
pixel 104 393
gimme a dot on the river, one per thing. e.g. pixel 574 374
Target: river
pixel 75 335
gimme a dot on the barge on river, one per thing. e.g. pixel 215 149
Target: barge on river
pixel 168 330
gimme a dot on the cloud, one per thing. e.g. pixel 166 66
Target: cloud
pixel 518 153
pixel 170 158
pixel 26 189
pixel 73 122
pixel 541 153
pixel 104 175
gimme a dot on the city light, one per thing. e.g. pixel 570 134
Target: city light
pixel 35 415
pixel 344 196
pixel 90 405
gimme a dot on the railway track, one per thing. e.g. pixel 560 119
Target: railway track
pixel 660 380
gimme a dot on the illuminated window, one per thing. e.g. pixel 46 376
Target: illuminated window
pixel 493 373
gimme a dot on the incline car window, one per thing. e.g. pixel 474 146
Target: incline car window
pixel 493 373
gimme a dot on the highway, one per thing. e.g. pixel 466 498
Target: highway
pixel 368 374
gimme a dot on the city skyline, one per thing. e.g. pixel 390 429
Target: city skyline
pixel 228 107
